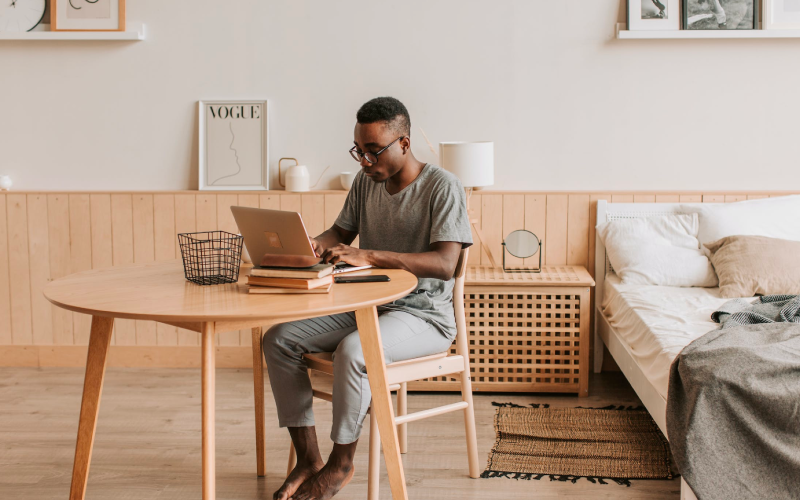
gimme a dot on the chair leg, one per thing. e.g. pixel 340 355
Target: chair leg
pixel 292 459
pixel 374 471
pixel 402 409
pixel 258 388
pixel 469 426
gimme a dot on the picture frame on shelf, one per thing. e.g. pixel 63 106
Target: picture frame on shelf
pixel 87 15
pixel 781 15
pixel 646 15
pixel 233 145
pixel 721 14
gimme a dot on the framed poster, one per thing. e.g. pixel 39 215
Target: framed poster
pixel 644 15
pixel 87 15
pixel 781 14
pixel 720 14
pixel 233 145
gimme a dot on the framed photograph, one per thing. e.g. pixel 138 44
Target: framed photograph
pixel 781 14
pixel 720 14
pixel 233 145
pixel 87 15
pixel 644 15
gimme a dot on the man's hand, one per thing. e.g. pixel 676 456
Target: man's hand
pixel 347 254
pixel 315 244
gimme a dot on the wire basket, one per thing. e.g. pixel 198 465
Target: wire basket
pixel 211 257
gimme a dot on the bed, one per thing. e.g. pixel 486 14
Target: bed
pixel 645 327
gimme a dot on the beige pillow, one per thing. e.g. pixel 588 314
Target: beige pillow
pixel 756 265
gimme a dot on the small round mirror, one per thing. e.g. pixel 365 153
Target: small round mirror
pixel 522 243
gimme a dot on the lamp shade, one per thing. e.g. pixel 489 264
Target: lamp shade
pixel 471 162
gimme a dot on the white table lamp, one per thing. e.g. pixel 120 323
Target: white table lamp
pixel 473 164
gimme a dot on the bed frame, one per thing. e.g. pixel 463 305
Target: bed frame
pixel 605 333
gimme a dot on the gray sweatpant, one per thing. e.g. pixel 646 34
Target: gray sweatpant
pixel 404 336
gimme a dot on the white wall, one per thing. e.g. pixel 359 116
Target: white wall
pixel 568 107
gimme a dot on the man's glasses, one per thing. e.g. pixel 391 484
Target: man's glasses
pixel 370 157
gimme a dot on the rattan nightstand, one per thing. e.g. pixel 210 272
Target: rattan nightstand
pixel 528 332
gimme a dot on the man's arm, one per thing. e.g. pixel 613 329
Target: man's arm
pixel 439 262
pixel 334 236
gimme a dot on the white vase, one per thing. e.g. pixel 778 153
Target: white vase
pixel 5 182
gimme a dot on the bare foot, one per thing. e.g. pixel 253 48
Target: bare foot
pixel 300 474
pixel 325 483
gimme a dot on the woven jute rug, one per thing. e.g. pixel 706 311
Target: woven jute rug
pixel 566 444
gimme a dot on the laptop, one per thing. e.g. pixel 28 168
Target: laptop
pixel 279 233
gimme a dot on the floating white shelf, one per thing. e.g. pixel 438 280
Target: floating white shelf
pixel 624 34
pixel 42 32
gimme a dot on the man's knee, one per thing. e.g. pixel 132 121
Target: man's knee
pixel 276 339
pixel 349 353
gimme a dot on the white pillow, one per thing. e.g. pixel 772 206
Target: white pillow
pixel 661 250
pixel 770 217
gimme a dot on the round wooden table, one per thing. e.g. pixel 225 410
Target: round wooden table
pixel 159 292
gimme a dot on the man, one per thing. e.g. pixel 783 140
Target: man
pixel 409 215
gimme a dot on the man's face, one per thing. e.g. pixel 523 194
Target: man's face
pixel 372 137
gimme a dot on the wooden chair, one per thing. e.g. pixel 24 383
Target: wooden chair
pixel 399 374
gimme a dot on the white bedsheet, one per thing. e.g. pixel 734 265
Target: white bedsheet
pixel 657 322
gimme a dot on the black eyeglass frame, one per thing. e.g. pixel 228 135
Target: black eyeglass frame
pixel 358 155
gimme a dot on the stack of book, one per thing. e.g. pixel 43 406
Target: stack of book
pixel 315 279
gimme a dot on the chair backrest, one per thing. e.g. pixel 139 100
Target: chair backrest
pixel 461 266
pixel 462 342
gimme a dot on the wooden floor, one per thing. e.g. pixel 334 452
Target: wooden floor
pixel 148 440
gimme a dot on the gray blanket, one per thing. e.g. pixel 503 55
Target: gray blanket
pixel 733 409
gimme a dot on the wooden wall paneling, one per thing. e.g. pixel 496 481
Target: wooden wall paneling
pixel 713 198
pixel 691 198
pixel 644 198
pixel 667 198
pixel 58 235
pixel 80 255
pixel 313 213
pixel 102 241
pixel 333 206
pixel 731 198
pixel 270 201
pixel 164 241
pixel 621 198
pixel 185 222
pixel 206 207
pixel 756 196
pixel 39 255
pixel 122 253
pixel 513 219
pixel 475 206
pixel 5 290
pixel 578 230
pixel 144 249
pixel 557 217
pixel 536 222
pixel 492 226
pixel 291 202
pixel 248 200
pixel 226 222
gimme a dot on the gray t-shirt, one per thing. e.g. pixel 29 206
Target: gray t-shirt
pixel 432 208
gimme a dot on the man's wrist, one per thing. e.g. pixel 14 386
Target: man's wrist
pixel 371 258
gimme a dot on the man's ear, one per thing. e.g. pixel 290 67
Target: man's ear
pixel 406 143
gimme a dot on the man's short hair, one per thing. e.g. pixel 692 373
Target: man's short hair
pixel 386 109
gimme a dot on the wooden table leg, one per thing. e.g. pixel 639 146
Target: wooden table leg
pixel 258 388
pixel 99 340
pixel 208 375
pixel 369 333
